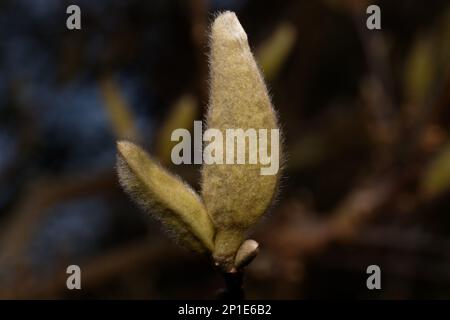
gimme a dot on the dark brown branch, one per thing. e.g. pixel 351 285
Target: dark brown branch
pixel 234 286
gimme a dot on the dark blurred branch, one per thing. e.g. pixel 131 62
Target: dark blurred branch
pixel 95 272
pixel 32 207
pixel 376 89
pixel 310 235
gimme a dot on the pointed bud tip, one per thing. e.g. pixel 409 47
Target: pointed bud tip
pixel 227 27
pixel 122 145
pixel 125 147
pixel 251 244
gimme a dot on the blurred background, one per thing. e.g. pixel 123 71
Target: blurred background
pixel 366 119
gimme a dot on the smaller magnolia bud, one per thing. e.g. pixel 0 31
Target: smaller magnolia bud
pixel 246 253
pixel 166 197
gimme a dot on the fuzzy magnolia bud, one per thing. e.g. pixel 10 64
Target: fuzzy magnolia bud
pixel 236 195
pixel 166 197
